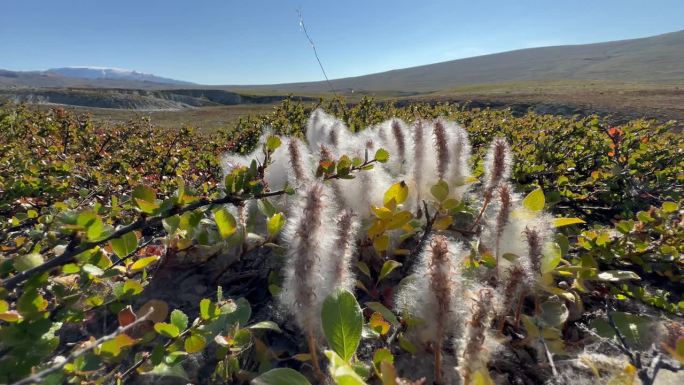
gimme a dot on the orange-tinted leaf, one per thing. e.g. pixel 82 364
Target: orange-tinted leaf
pixel 126 316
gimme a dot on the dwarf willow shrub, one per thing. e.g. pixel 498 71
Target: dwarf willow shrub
pixel 392 230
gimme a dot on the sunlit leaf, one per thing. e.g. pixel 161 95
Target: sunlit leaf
pixel 440 191
pixel 382 155
pixel 225 222
pixel 194 343
pixel 166 329
pixel 535 200
pixel 275 224
pixel 342 322
pixel 560 222
pixel 179 319
pixel 143 263
pixel 281 376
pixel 387 268
pixel 124 245
pixel 340 370
pixel 397 192
pixel 551 257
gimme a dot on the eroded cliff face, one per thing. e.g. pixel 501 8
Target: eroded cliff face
pixel 135 99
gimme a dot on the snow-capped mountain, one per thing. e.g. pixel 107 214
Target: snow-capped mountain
pixel 111 73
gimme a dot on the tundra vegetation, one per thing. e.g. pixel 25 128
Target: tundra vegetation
pixel 348 244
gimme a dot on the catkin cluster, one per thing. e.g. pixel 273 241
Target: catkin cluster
pixel 325 217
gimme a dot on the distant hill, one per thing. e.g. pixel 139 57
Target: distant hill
pixel 652 62
pixel 656 59
pixel 112 73
pixel 92 77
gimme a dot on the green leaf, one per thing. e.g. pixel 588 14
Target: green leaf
pixel 31 302
pixel 510 257
pixel 132 287
pixel 226 222
pixel 670 207
pixel 275 224
pixel 208 309
pixel 386 313
pixel 440 191
pixel 618 275
pixel 166 329
pixel 28 261
pixel 173 358
pixel 145 199
pixel 342 323
pixel 164 370
pixel 124 245
pixel 560 222
pixel 179 319
pixel 407 345
pixel 269 325
pixel 341 372
pixel 625 226
pixel 363 267
pixel 535 200
pixel 92 270
pixel 387 268
pixel 551 257
pixel 144 193
pixel 281 376
pixel 381 355
pixel 554 313
pixel 397 192
pixel 143 262
pixel 637 329
pixel 450 204
pixel 113 346
pixel 195 343
pixel 71 268
pixel 272 143
pixel 230 315
pixel 382 155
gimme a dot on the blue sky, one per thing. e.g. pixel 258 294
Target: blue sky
pixel 259 42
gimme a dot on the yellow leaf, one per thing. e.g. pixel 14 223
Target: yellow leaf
pixel 381 243
pixel 560 222
pixel 535 200
pixel 443 223
pixel 377 228
pixel 481 377
pixel 378 323
pixel 143 263
pixel 397 192
pixel 399 219
pixel 382 212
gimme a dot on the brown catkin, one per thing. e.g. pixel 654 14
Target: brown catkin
pixel 513 288
pixel 305 256
pixel 441 284
pixel 333 135
pixel 399 138
pixel 535 248
pixel 344 240
pixel 505 204
pixel 296 160
pixel 325 153
pixel 477 328
pixel 442 148
pixel 498 164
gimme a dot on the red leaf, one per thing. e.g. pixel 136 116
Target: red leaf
pixel 126 316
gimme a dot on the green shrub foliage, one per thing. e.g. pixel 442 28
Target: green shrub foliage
pixel 336 241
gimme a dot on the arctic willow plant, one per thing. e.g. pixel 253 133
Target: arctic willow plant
pixel 463 277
